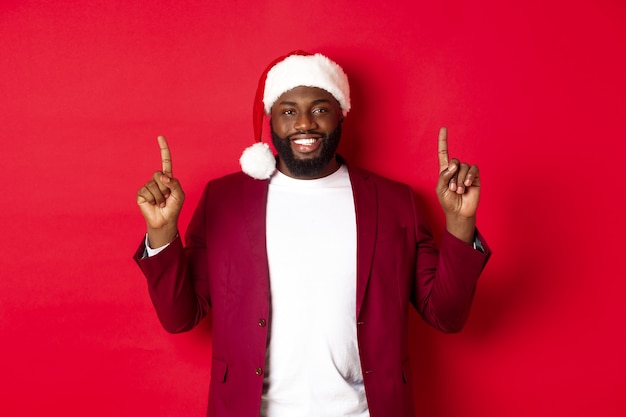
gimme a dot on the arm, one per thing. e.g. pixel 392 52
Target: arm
pixel 175 275
pixel 446 278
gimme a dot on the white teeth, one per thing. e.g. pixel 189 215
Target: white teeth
pixel 304 141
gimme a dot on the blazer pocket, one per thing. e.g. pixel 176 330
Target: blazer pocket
pixel 219 370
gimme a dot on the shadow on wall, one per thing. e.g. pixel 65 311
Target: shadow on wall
pixel 508 289
pixel 514 287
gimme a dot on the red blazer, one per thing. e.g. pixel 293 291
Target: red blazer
pixel 224 267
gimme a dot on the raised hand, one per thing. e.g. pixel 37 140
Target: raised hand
pixel 160 201
pixel 458 190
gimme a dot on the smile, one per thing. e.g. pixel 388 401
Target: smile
pixel 305 142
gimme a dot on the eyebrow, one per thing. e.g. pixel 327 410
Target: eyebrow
pixel 314 102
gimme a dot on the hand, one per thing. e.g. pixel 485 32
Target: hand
pixel 458 190
pixel 160 201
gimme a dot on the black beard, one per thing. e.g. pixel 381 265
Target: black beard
pixel 310 167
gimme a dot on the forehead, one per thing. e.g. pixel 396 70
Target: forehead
pixel 306 95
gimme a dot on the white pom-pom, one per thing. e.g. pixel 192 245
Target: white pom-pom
pixel 258 161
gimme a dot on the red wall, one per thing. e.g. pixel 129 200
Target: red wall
pixel 533 93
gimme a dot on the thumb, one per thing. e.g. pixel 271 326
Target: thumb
pixel 447 177
pixel 174 187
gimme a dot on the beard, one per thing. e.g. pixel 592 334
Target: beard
pixel 309 167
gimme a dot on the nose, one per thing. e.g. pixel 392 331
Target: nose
pixel 305 122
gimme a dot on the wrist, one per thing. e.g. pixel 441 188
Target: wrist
pixel 463 228
pixel 161 237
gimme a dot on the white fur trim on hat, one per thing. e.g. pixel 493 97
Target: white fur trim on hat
pixel 258 161
pixel 308 71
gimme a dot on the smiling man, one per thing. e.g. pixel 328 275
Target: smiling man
pixel 308 263
pixel 306 127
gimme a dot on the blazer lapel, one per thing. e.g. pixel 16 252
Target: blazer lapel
pixel 254 200
pixel 366 207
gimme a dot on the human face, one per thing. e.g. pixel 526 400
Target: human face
pixel 306 126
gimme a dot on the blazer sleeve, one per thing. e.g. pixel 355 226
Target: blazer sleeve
pixel 177 276
pixel 445 278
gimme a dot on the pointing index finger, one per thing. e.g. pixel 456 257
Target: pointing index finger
pixel 166 157
pixel 442 149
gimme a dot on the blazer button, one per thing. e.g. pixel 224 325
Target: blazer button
pixel 262 322
pixel 258 371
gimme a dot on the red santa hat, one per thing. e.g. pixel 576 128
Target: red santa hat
pixel 296 69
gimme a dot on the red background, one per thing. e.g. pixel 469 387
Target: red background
pixel 532 92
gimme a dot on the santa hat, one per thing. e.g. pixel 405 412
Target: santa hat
pixel 296 69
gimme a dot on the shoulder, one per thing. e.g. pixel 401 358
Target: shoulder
pixel 233 195
pixel 233 178
pixel 235 181
pixel 233 189
pixel 361 175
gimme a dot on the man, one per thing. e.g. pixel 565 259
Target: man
pixel 309 268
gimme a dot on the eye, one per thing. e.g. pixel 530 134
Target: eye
pixel 289 112
pixel 320 110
